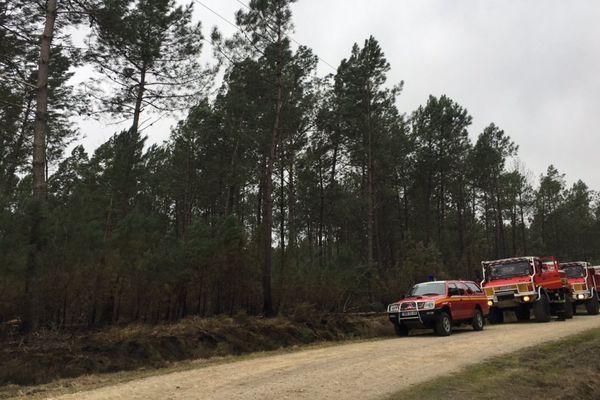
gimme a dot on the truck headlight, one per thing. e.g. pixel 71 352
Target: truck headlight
pixel 427 305
pixel 490 303
pixel 580 296
pixel 526 298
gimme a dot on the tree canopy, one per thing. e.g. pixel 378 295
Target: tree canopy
pixel 281 189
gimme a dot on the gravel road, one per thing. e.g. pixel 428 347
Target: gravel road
pixel 367 370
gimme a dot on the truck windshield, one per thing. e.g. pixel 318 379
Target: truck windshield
pixel 574 271
pixel 509 270
pixel 429 288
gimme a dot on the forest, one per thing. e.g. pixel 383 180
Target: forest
pixel 280 188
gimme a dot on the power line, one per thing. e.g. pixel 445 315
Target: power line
pixel 232 59
pixel 289 37
pixel 235 26
pixel 218 15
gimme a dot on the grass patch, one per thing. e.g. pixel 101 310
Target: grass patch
pixel 565 369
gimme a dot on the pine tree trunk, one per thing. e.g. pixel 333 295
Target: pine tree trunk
pixel 321 215
pixel 370 205
pixel 292 209
pixel 139 100
pixel 522 222
pixel 267 223
pixel 34 261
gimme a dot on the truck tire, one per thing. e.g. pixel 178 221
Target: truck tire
pixel 568 307
pixel 401 330
pixel 592 305
pixel 443 324
pixel 496 316
pixel 477 322
pixel 541 309
pixel 523 313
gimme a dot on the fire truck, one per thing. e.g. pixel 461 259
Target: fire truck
pixel 583 280
pixel 526 284
pixel 439 305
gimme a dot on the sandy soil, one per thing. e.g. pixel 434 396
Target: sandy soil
pixel 367 370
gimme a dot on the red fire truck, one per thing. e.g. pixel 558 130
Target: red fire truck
pixel 583 280
pixel 524 284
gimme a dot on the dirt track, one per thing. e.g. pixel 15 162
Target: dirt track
pixel 368 370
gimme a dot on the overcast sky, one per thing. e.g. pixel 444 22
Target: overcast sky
pixel 531 67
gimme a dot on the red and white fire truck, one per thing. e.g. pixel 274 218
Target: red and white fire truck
pixel 526 284
pixel 584 281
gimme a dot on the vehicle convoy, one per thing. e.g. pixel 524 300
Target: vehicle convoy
pixel 584 281
pixel 524 284
pixel 439 305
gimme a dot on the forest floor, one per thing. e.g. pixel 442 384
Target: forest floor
pixel 362 370
pixel 49 359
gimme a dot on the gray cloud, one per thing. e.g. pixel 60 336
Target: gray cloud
pixel 529 66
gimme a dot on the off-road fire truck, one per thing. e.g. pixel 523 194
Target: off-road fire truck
pixel 524 284
pixel 439 305
pixel 583 280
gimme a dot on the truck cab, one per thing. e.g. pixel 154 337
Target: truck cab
pixel 525 284
pixel 582 281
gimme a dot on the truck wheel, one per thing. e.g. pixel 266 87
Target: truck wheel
pixel 523 313
pixel 592 306
pixel 443 324
pixel 541 309
pixel 568 307
pixel 477 320
pixel 496 316
pixel 401 330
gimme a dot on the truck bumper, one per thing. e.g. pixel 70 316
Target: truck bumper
pixel 422 319
pixel 512 300
pixel 581 297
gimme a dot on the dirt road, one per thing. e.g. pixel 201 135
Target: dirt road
pixel 368 370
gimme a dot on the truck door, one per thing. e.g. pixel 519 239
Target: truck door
pixel 456 302
pixel 466 305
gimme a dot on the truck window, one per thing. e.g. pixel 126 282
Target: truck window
pixel 574 270
pixel 509 269
pixel 463 288
pixel 428 288
pixel 474 288
pixel 454 290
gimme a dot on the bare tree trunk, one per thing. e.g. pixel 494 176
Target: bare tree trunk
pixel 292 235
pixel 140 98
pixel 502 247
pixel 321 229
pixel 267 223
pixel 34 260
pixel 521 212
pixel 370 205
